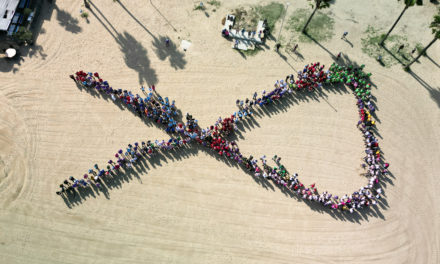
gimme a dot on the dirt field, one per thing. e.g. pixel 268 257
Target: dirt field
pixel 193 208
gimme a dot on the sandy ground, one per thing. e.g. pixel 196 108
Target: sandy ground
pixel 192 208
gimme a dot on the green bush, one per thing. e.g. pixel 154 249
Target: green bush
pixel 23 35
pixel 84 14
pixel 27 12
pixel 419 48
pixel 200 7
pixel 214 3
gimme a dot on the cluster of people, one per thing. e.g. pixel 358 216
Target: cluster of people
pixel 311 77
pixel 214 137
pixel 153 106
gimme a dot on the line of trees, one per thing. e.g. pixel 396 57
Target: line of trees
pixel 319 4
pixel 408 4
pixel 435 27
pixel 435 24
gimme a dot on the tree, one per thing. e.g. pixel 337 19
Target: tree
pixel 408 3
pixel 435 26
pixel 319 4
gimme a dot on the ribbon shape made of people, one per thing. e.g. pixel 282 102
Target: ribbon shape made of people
pixel 165 114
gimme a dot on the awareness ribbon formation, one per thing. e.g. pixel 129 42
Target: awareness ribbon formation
pixel 165 114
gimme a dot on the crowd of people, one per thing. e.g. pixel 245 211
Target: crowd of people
pixel 159 109
pixel 215 136
pixel 311 77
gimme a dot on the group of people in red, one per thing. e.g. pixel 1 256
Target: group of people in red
pixel 311 77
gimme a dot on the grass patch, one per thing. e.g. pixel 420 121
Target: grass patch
pixel 248 18
pixel 200 7
pixel 371 47
pixel 253 52
pixel 419 48
pixel 321 27
pixel 272 12
pixel 215 3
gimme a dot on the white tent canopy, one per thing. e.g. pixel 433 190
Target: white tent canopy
pixel 10 53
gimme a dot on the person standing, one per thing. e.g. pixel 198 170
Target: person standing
pixel 295 47
pixel 344 35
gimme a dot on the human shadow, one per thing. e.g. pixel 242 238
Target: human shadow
pixel 283 106
pixel 351 44
pixel 242 54
pixel 68 22
pixel 284 58
pixel 170 51
pixel 299 55
pixel 135 56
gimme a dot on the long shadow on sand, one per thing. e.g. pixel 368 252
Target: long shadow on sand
pixel 434 93
pixel 125 175
pixel 68 22
pixel 176 57
pixel 135 54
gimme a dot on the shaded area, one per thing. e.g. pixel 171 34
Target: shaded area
pixel 176 57
pixel 135 56
pixel 170 52
pixel 68 22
